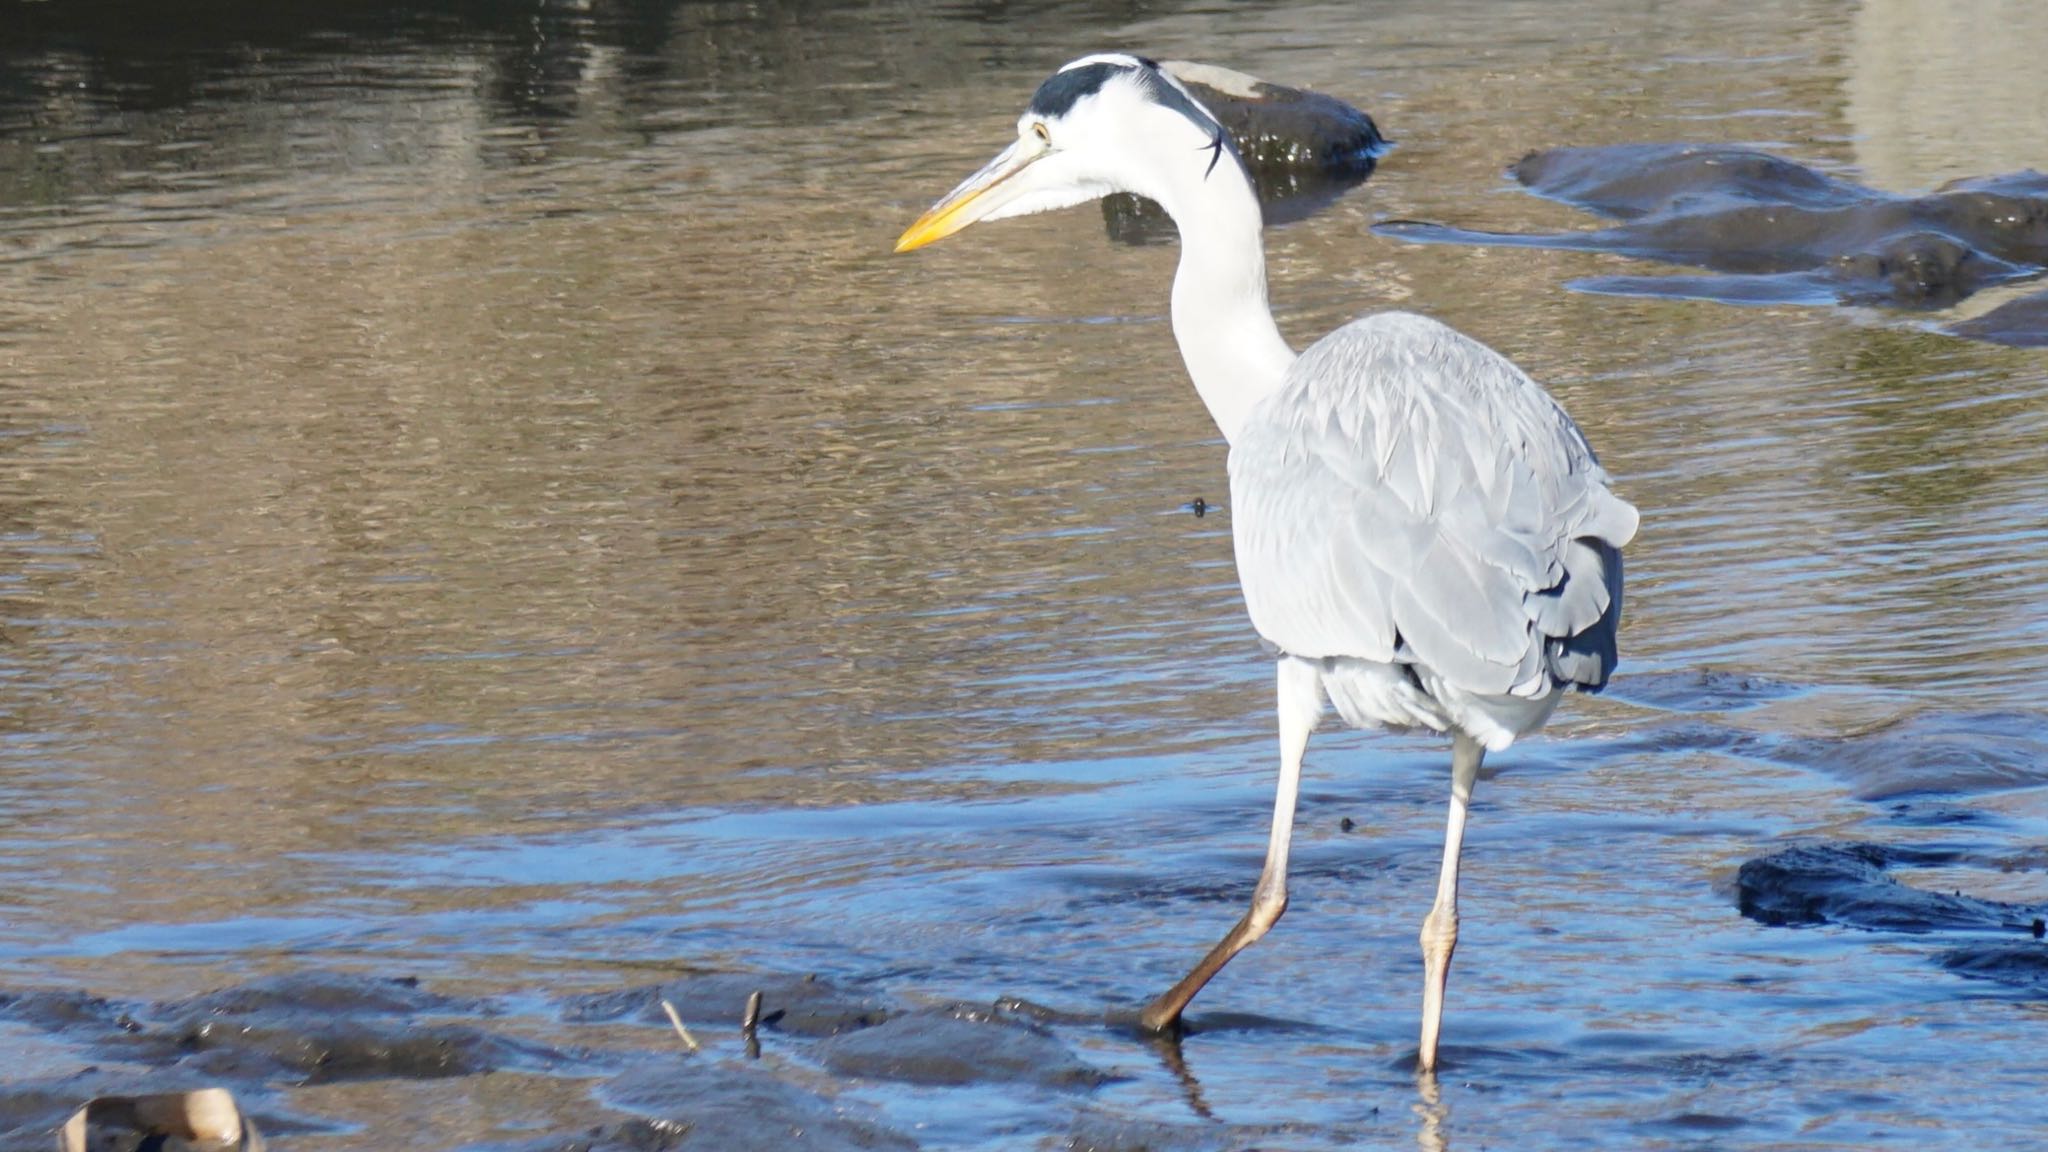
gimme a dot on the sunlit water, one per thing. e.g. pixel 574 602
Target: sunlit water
pixel 479 500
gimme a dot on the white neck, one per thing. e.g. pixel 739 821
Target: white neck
pixel 1233 350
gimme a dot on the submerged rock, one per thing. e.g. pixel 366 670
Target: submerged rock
pixel 1779 232
pixel 730 1108
pixel 322 993
pixel 63 1011
pixel 1629 181
pixel 244 1049
pixel 1280 128
pixel 2021 323
pixel 1302 149
pixel 1847 884
pixel 311 1028
pixel 957 1048
pixel 1932 753
pixel 2023 966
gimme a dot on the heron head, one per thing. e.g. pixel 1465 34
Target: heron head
pixel 1105 123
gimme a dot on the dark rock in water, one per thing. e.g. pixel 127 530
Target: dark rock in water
pixel 2023 966
pixel 698 1105
pixel 1277 127
pixel 1779 232
pixel 1303 150
pixel 1935 753
pixel 789 1004
pixel 957 1048
pixel 1918 271
pixel 1846 884
pixel 2011 211
pixel 1628 181
pixel 2021 323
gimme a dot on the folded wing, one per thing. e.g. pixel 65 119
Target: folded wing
pixel 1410 496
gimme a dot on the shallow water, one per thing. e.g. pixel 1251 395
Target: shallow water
pixel 481 503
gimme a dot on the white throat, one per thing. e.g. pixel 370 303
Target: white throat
pixel 1221 318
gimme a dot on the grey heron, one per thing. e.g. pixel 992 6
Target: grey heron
pixel 1421 531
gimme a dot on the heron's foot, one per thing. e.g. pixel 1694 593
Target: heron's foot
pixel 1162 1017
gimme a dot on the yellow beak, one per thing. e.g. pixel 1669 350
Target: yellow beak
pixel 976 197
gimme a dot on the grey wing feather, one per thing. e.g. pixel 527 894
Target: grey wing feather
pixel 1410 495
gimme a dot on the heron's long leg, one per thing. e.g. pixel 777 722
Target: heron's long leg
pixel 1300 692
pixel 1440 928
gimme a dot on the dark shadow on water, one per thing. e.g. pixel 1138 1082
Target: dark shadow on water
pixel 1772 231
pixel 1168 1048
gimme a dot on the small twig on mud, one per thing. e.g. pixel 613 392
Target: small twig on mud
pixel 750 1023
pixel 677 1020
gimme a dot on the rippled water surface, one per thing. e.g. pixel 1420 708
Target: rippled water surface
pixel 480 502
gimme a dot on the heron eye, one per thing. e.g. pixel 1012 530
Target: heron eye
pixel 1039 130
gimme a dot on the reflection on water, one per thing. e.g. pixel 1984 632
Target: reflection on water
pixel 1430 1110
pixel 478 500
pixel 1916 86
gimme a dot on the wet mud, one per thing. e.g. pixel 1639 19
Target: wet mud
pixel 1773 231
pixel 794 1005
pixel 798 1077
pixel 705 1105
pixel 262 1039
pixel 311 1029
pixel 957 1046
pixel 1304 150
